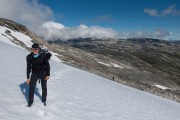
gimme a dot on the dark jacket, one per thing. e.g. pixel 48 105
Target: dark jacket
pixel 38 64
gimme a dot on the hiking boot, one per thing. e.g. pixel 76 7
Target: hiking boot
pixel 45 103
pixel 29 105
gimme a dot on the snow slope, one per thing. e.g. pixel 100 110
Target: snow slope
pixel 4 38
pixel 74 94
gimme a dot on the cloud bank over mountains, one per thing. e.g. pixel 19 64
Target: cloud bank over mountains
pixel 40 19
pixel 55 31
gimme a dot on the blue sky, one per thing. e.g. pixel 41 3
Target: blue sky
pixel 67 19
pixel 121 15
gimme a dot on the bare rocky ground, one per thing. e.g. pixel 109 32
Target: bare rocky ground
pixel 139 63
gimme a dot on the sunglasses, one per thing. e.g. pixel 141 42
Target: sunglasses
pixel 35 48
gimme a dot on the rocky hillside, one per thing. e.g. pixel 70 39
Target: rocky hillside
pixel 148 64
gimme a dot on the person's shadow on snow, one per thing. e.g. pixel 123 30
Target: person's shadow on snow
pixel 25 91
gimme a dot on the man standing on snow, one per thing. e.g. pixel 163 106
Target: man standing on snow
pixel 38 64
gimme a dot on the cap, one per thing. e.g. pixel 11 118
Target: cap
pixel 35 45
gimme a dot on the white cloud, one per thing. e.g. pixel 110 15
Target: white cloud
pixel 171 10
pixel 29 12
pixel 151 12
pixel 55 31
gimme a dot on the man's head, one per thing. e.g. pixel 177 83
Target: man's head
pixel 35 48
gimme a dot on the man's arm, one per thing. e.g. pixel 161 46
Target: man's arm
pixel 28 70
pixel 47 66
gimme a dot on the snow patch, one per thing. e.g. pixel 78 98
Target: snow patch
pixel 103 63
pixel 23 38
pixel 161 87
pixel 6 38
pixel 110 65
pixel 20 36
pixel 116 65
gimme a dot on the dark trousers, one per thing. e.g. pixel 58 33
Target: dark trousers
pixel 32 85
